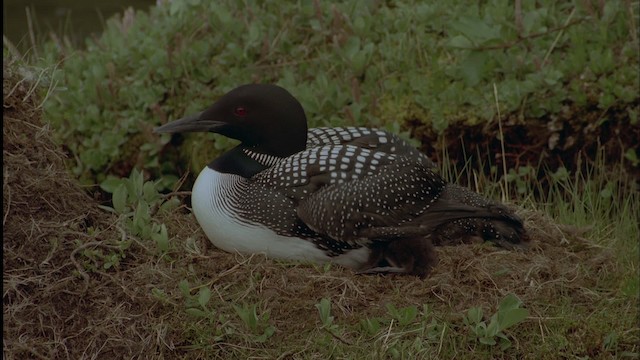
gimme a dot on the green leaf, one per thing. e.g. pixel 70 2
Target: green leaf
pixel 480 329
pixel 505 343
pixel 460 42
pixel 161 238
pixel 324 308
pixel 183 285
pixel 606 193
pixel 477 30
pixel 472 67
pixel 487 340
pixel 511 301
pixel 610 341
pixel 119 199
pixel 204 295
pixel 351 47
pixel 150 194
pixel 474 315
pixel 404 315
pixel 159 294
pixel 633 116
pixel 631 155
pixel 248 314
pixel 110 183
pixel 511 317
pixel 143 212
pixel 494 326
pixel 372 326
pixel 138 182
pixel 196 312
pixel 410 313
pixel 269 331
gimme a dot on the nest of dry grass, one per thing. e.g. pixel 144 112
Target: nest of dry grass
pixel 54 307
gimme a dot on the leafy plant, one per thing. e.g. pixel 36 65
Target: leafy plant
pixel 324 309
pixel 371 325
pixel 210 326
pixel 509 314
pixel 432 62
pixel 106 256
pixel 405 315
pixel 136 201
pixel 332 330
pixel 259 325
pixel 197 305
pixel 522 178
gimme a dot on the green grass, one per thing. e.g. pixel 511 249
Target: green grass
pixel 437 64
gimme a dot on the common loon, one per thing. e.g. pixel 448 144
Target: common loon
pixel 362 198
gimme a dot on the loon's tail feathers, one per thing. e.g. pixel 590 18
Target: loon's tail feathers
pixel 477 219
pixel 458 216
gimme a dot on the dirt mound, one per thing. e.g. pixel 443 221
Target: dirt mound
pixel 40 199
pixel 49 303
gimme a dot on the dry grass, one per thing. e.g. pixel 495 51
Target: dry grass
pixel 60 302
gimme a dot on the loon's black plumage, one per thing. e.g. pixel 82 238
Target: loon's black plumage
pixel 360 197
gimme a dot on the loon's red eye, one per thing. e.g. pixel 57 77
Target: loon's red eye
pixel 240 111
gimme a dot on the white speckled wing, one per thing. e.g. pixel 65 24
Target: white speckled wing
pixel 385 204
pixel 342 189
pixel 372 139
pixel 307 171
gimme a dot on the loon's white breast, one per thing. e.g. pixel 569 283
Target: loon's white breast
pixel 214 198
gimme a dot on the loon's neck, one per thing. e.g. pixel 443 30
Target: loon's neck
pixel 243 161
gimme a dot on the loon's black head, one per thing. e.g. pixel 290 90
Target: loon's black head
pixel 265 118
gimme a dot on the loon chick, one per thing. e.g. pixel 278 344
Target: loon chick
pixel 358 197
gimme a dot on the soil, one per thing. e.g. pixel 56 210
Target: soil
pixel 560 141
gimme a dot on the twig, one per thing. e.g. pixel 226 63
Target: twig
pixel 6 214
pixel 344 341
pixel 504 160
pixel 32 35
pixel 517 14
pixel 12 48
pixel 183 178
pixel 386 337
pixel 633 29
pixel 555 41
pixel 532 36
pixel 176 193
pixel 441 339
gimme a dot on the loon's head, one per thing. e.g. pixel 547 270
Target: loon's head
pixel 265 118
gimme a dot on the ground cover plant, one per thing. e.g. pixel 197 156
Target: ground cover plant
pixel 565 72
pixel 124 271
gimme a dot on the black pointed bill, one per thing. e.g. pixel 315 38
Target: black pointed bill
pixel 190 123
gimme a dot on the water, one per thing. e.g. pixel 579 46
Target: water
pixel 76 19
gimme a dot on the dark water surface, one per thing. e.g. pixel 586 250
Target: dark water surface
pixel 76 19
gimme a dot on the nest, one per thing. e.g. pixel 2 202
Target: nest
pixel 55 308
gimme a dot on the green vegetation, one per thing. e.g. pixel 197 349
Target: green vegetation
pixel 138 278
pixel 355 63
pixel 509 314
pixel 137 201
